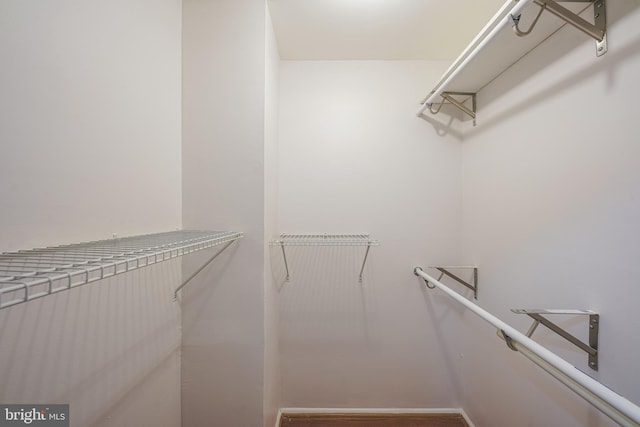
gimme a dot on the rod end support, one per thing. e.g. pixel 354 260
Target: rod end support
pixel 507 339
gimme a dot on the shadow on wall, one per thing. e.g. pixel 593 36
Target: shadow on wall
pixel 446 313
pixel 324 295
pixel 442 127
pixel 197 293
pixel 95 346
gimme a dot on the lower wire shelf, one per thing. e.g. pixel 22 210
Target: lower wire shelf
pixel 30 274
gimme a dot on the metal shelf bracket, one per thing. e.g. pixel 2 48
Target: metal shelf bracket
pixel 594 318
pixel 597 30
pixel 444 271
pixel 186 282
pixel 448 97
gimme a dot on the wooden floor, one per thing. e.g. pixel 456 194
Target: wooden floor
pixel 372 420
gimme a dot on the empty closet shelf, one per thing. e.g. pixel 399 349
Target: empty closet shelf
pixel 30 274
pixel 324 240
pixel 508 37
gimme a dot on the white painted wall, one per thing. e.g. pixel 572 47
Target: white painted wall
pixel 92 122
pixel 550 214
pixel 352 157
pixel 223 347
pixel 90 131
pixel 272 383
pixel 89 120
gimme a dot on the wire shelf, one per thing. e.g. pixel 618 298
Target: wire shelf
pixel 324 240
pixel 30 274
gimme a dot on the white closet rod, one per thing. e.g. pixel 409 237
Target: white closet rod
pixel 616 407
pixel 489 31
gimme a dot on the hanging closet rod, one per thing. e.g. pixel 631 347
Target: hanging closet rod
pixel 509 14
pixel 493 27
pixel 616 407
pixel 31 274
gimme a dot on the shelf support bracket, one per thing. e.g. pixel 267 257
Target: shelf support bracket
pixel 591 348
pixel 286 264
pixel 471 112
pixel 474 287
pixel 597 30
pixel 175 293
pixel 363 263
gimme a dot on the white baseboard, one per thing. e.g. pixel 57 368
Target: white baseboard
pixel 466 417
pixel 372 411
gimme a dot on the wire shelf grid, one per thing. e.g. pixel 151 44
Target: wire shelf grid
pixel 30 274
pixel 324 240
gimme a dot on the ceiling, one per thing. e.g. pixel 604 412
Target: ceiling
pixel 377 29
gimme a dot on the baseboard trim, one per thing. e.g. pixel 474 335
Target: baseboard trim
pixel 466 418
pixel 372 411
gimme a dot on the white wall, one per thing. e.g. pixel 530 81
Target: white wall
pixel 550 214
pixel 89 120
pixel 271 318
pixel 354 158
pixel 223 188
pixel 90 131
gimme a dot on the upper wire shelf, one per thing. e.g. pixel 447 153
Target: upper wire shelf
pixel 324 240
pixel 30 274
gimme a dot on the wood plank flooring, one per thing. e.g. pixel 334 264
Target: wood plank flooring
pixel 373 420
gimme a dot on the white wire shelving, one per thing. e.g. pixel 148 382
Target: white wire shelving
pixel 30 274
pixel 324 240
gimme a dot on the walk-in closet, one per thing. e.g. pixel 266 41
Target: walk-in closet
pixel 282 213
